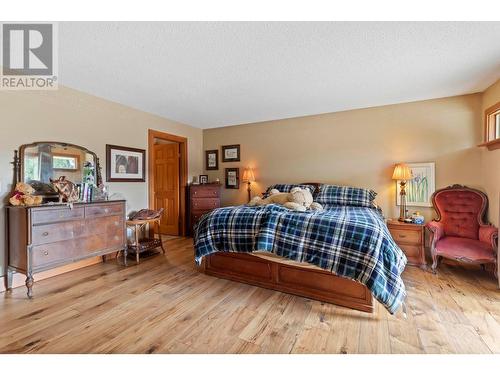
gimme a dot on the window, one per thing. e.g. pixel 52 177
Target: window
pixel 492 127
pixel 31 167
pixel 497 125
pixel 65 162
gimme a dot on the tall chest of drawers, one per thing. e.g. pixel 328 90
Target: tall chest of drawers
pixel 202 199
pixel 49 236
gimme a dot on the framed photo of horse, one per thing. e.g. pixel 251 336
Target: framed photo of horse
pixel 125 164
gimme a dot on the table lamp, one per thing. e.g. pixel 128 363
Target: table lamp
pixel 402 173
pixel 249 177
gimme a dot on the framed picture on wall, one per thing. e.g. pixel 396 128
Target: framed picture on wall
pixel 125 164
pixel 421 187
pixel 212 160
pixel 231 153
pixel 232 178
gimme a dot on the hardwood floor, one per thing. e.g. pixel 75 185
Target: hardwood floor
pixel 164 305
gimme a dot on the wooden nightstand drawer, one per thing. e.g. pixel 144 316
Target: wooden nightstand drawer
pixel 412 252
pixel 410 239
pixel 413 237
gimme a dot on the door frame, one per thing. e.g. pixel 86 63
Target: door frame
pixel 183 172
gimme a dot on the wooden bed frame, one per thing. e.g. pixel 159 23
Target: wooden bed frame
pixel 306 282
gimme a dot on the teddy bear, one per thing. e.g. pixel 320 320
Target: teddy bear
pixel 297 200
pixel 23 196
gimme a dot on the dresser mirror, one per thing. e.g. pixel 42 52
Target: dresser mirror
pixel 38 162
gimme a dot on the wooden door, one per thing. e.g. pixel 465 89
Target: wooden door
pixel 166 186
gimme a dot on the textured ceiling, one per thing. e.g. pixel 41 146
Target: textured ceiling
pixel 216 74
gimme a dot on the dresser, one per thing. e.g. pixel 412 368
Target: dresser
pixel 49 236
pixel 201 199
pixel 410 238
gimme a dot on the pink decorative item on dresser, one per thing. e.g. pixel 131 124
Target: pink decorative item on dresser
pixel 460 232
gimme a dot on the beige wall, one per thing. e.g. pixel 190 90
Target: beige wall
pixel 490 160
pixel 71 116
pixel 359 147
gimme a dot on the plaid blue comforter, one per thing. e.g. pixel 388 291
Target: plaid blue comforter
pixel 349 241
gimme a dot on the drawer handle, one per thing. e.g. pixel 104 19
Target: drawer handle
pixel 106 210
pixel 117 238
pixel 117 223
pixel 402 235
pixel 45 252
pixel 45 234
pixel 195 192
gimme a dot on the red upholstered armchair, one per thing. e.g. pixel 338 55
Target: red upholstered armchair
pixel 460 232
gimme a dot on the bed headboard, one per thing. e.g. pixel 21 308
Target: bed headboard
pixel 315 184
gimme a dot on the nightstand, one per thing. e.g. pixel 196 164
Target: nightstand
pixel 410 238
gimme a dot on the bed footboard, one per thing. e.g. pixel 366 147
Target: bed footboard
pixel 305 282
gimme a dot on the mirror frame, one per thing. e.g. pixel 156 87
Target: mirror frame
pixel 19 159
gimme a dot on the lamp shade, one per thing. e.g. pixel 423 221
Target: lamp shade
pixel 402 172
pixel 248 175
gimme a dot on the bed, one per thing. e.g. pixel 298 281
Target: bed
pixel 343 255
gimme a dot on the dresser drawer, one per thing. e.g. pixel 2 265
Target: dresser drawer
pixel 115 231
pixel 196 216
pixel 65 251
pixel 406 236
pixel 205 203
pixel 115 240
pixel 42 234
pixel 205 192
pixel 55 215
pixel 114 223
pixel 50 253
pixel 103 210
